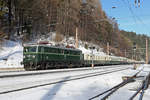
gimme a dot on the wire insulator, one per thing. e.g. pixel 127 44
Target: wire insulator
pixel 135 2
pixel 139 3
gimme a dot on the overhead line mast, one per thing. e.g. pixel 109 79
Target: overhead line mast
pixel 147 58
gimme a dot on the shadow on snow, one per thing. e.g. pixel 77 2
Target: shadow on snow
pixel 53 91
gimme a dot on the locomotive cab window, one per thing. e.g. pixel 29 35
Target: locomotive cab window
pixel 25 49
pixel 30 49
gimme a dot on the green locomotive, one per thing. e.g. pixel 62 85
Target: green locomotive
pixel 39 57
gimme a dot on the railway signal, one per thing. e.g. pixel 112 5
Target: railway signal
pixel 92 48
pixel 134 46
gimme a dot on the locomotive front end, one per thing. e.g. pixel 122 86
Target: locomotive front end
pixel 30 57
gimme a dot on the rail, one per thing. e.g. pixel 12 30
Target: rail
pixel 115 88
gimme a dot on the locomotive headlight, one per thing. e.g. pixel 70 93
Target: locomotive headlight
pixel 33 56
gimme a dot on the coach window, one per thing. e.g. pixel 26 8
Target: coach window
pixel 60 51
pixel 66 52
pixel 45 50
pixel 54 50
pixel 51 50
pixel 57 51
pixel 75 53
pixel 79 53
pixel 72 52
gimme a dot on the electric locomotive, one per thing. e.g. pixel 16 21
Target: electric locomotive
pixel 39 57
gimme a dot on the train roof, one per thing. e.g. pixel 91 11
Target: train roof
pixel 58 47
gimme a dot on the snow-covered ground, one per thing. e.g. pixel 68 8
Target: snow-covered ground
pixel 28 81
pixel 11 54
pixel 82 89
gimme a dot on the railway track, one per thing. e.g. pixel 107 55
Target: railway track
pixel 141 89
pixel 10 74
pixel 9 70
pixel 106 94
pixel 50 82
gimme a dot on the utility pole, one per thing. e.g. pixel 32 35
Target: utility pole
pixel 92 48
pixel 147 51
pixel 107 48
pixel 77 44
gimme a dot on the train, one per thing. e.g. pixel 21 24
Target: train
pixel 42 57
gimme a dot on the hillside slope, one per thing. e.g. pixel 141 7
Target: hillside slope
pixel 40 18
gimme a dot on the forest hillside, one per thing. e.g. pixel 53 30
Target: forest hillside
pixel 29 20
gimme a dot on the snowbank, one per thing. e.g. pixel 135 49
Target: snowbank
pixel 11 54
